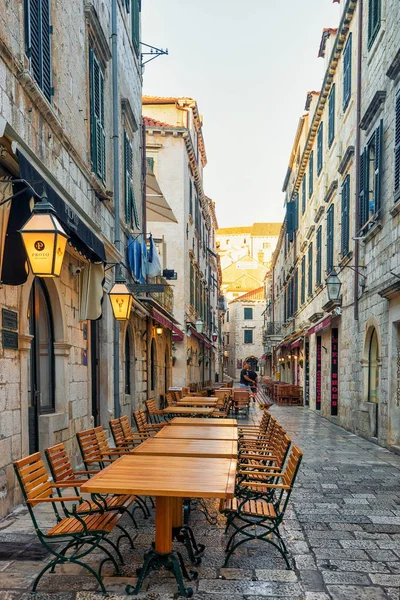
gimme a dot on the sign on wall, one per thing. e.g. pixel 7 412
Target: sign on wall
pixel 9 334
pixel 318 375
pixel 307 372
pixel 334 372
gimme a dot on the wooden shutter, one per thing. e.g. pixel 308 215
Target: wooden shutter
pixel 378 166
pixel 363 196
pixel 303 195
pixel 310 269
pixel 131 213
pixel 319 256
pixel 303 280
pixel 136 24
pixel 98 138
pixel 38 43
pixel 311 175
pixel 397 148
pixel 347 72
pixel 290 220
pixel 330 239
pixel 344 243
pixel 320 148
pixel 331 111
pixel 296 290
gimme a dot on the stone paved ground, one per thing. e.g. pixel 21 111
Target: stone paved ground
pixel 343 529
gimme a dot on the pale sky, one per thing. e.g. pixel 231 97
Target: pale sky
pixel 249 65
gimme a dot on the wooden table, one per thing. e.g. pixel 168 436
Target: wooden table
pixel 203 402
pixel 198 433
pixel 188 447
pixel 193 421
pixel 169 481
pixel 187 410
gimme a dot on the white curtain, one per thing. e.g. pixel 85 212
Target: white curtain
pixel 91 282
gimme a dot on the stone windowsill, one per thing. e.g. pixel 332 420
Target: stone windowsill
pixel 371 233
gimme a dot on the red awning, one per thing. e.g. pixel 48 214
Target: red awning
pixel 199 336
pixel 176 332
pixel 297 343
pixel 321 325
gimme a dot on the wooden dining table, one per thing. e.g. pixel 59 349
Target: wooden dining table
pixel 207 422
pixel 198 433
pixel 187 410
pixel 196 448
pixel 197 401
pixel 169 481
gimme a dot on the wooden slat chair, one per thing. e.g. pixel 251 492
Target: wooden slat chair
pixel 155 414
pixel 143 426
pixel 222 412
pixel 170 399
pixel 123 441
pixel 254 517
pixel 254 430
pixel 261 444
pixel 62 472
pixel 241 401
pixel 264 429
pixel 95 450
pixel 78 533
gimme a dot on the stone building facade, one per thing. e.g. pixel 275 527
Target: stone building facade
pixel 257 240
pixel 56 130
pixel 342 189
pixel 176 151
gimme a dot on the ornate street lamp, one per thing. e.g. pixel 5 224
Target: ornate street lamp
pixel 199 326
pixel 159 330
pixel 333 285
pixel 214 336
pixel 121 299
pixel 44 239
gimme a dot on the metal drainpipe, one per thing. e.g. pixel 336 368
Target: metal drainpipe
pixel 358 151
pixel 117 226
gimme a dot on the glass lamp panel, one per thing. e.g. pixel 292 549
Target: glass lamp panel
pixel 121 301
pixel 39 247
pixel 61 242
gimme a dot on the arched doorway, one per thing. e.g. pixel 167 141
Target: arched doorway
pixel 253 362
pixel 373 376
pixel 153 365
pixel 41 397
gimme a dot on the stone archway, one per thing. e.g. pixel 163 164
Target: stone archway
pixel 371 368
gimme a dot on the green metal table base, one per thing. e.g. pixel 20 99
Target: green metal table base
pixel 172 561
pixel 185 536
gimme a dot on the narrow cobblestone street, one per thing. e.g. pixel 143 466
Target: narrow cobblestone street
pixel 343 527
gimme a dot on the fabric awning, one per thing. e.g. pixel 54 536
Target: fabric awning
pixel 157 208
pixel 177 334
pixel 5 192
pixel 319 326
pixel 199 336
pixel 296 343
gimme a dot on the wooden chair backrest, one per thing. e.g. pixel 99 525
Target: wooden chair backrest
pixel 59 463
pixel 292 466
pixel 140 420
pixel 33 478
pixel 89 446
pixel 185 390
pixel 221 395
pixel 281 450
pixel 241 395
pixel 102 439
pixel 126 427
pixel 151 406
pixel 170 399
pixel 117 433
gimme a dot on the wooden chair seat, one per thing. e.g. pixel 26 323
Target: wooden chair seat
pixel 111 503
pixel 95 523
pixel 258 508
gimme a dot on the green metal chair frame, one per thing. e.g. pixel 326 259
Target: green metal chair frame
pixel 253 517
pixel 82 534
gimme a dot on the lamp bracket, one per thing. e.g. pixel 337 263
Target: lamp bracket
pixel 154 53
pixel 353 268
pixel 3 180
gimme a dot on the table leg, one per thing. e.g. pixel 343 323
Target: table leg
pixel 184 534
pixel 162 554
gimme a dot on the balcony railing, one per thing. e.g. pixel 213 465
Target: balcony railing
pixel 165 298
pixel 274 328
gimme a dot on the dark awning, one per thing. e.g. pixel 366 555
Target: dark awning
pixel 82 237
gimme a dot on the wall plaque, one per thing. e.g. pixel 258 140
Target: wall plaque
pixel 10 339
pixel 9 319
pixel 318 374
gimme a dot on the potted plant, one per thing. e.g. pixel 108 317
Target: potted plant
pixel 173 360
pixel 300 362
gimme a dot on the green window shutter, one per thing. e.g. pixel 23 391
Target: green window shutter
pixel 150 164
pixel 190 198
pixel 303 195
pixel 345 219
pixel 311 175
pixel 310 269
pixel 296 290
pixel 248 313
pixel 363 196
pixel 191 284
pixel 374 20
pixel 98 138
pixel 320 148
pixel 303 280
pixel 318 274
pixel 331 116
pixel 330 239
pixel 397 149
pixel 378 167
pixel 290 220
pixel 38 43
pixel 248 336
pixel 296 212
pixel 136 25
pixel 131 213
pixel 347 73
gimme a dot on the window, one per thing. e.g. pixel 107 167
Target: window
pixel 190 198
pixel 131 213
pixel 227 339
pixel 320 148
pixel 292 218
pixel 97 133
pixel 373 368
pixel 397 149
pixel 318 272
pixel 127 364
pixel 191 284
pixel 153 365
pixel 311 175
pixel 136 25
pixel 329 238
pixel 303 280
pixel 38 43
pixel 296 291
pixel 266 246
pixel 370 180
pixel 347 73
pixel 248 336
pixel 227 316
pixel 248 313
pixel 310 270
pixel 345 234
pixel 303 195
pixel 150 164
pixel 374 20
pixel 331 116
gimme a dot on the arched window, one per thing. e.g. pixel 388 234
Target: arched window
pixel 373 368
pixel 153 365
pixel 127 363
